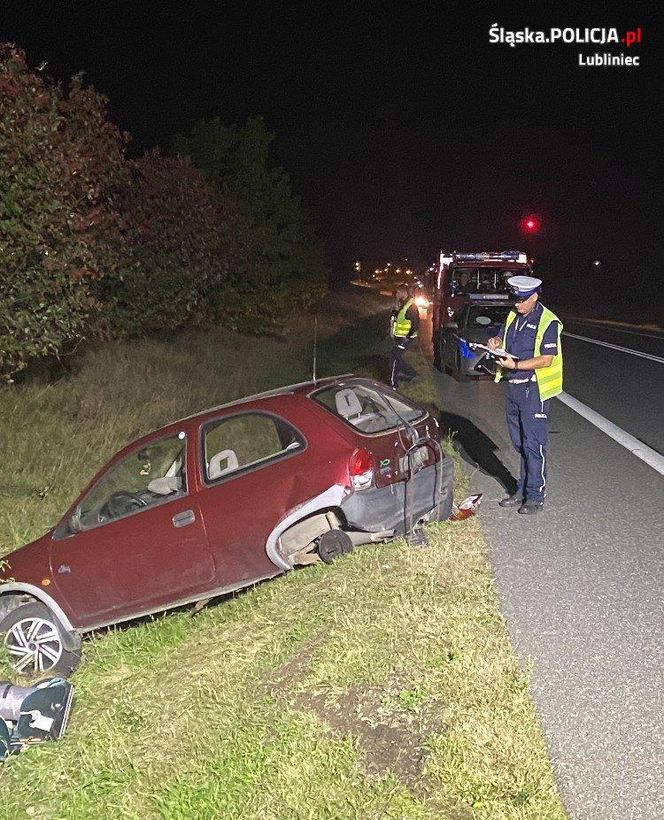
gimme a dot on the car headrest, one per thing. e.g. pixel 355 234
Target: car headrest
pixel 215 470
pixel 347 403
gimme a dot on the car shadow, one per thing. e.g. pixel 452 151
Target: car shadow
pixel 477 449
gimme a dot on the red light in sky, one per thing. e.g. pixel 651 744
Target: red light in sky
pixel 530 224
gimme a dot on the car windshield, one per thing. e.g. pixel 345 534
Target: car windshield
pixel 367 408
pixel 486 315
pixel 464 281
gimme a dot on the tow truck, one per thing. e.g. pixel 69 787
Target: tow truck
pixel 463 282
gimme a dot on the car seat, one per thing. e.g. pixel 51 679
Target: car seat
pixel 165 485
pixel 215 469
pixel 347 403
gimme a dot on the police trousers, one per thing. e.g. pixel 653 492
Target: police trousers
pixel 399 367
pixel 528 426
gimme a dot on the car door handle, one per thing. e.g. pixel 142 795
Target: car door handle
pixel 182 519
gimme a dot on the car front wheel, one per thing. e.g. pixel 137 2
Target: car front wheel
pixel 458 373
pixel 35 641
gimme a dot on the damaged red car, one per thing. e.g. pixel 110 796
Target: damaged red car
pixel 219 501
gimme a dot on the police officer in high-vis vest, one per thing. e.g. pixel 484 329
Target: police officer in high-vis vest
pixel 404 327
pixel 534 372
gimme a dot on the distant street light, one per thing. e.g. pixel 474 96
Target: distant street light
pixel 597 262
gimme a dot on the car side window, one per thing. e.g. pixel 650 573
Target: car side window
pixel 146 477
pixel 240 442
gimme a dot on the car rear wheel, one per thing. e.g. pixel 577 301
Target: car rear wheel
pixel 36 642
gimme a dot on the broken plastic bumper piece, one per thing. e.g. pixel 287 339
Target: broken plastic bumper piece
pixel 33 714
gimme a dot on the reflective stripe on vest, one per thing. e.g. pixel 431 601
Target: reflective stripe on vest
pixel 549 379
pixel 402 325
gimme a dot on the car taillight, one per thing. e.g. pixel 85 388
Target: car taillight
pixel 360 469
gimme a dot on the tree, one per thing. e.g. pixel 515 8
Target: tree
pixel 180 241
pixel 286 257
pixel 61 161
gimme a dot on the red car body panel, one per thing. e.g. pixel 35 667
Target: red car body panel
pixel 144 562
pixel 150 561
pixel 294 479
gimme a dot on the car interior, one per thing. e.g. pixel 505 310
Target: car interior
pixel 479 280
pixel 367 410
pixel 241 441
pixel 141 480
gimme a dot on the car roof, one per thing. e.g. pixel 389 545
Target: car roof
pixel 210 412
pixel 480 303
pixel 490 263
pixel 299 388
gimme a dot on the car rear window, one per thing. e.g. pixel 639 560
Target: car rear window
pixel 367 408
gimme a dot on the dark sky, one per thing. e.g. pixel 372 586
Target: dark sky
pixel 404 131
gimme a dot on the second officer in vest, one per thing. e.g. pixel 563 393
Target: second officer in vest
pixel 404 327
pixel 534 372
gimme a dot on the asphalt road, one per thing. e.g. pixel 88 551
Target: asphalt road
pixel 581 584
pixel 625 388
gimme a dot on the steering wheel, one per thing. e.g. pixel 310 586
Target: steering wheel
pixel 121 503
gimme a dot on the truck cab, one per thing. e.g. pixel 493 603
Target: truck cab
pixel 465 278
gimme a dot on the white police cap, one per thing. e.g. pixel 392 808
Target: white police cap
pixel 524 286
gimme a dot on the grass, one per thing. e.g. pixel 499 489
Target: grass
pixel 381 686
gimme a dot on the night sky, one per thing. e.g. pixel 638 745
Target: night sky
pixel 403 132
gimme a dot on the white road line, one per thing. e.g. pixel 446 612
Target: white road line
pixel 608 326
pixel 615 347
pixel 636 447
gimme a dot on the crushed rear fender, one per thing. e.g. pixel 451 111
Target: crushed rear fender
pixel 382 508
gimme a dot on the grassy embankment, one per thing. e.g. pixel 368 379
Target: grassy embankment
pixel 383 685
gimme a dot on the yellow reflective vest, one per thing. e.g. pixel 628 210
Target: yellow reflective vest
pixel 402 324
pixel 549 379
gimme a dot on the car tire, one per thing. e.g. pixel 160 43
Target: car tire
pixel 457 373
pixel 36 642
pixel 437 344
pixel 442 356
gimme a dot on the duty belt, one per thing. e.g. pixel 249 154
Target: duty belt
pixel 522 381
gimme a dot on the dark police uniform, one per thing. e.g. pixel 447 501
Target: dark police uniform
pixel 527 415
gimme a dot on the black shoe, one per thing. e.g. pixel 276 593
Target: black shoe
pixel 515 500
pixel 531 507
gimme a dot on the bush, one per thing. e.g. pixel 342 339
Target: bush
pixel 62 160
pixel 179 239
pixel 91 243
pixel 283 249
